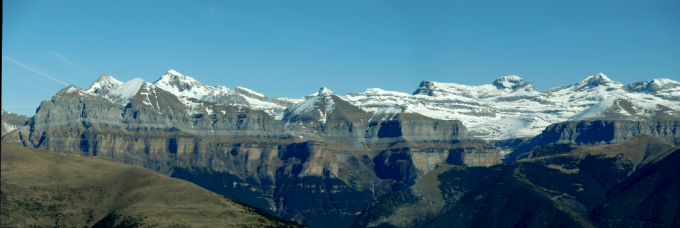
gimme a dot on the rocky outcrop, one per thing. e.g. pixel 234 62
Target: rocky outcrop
pixel 607 131
pixel 594 132
pixel 284 101
pixel 11 121
pixel 252 94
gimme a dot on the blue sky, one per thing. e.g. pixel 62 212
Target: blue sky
pixel 291 48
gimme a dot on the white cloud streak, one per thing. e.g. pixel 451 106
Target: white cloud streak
pixel 5 73
pixel 31 69
pixel 61 57
pixel 37 86
pixel 78 68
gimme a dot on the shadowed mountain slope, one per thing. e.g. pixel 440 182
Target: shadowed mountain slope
pixel 632 184
pixel 46 189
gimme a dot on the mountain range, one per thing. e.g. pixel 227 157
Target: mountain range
pixel 323 159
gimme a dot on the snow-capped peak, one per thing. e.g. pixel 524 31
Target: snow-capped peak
pixel 173 75
pixel 598 80
pixel 173 72
pixel 512 82
pixel 180 85
pixel 104 82
pixel 324 91
pixel 316 107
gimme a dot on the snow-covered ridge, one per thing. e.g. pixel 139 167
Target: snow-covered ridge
pixel 252 94
pixel 510 107
pixel 189 91
pixel 180 85
pixel 70 90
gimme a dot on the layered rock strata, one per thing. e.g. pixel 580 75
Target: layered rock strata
pixel 321 167
pixel 252 94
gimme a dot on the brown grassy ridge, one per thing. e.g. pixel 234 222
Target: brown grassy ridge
pixel 47 189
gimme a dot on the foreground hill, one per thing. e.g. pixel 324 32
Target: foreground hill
pixel 633 184
pixel 45 189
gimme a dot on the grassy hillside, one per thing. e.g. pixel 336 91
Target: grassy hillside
pixel 47 189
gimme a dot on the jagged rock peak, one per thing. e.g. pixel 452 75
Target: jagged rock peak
pixel 598 80
pixel 322 92
pixel 104 82
pixel 512 82
pixel 425 88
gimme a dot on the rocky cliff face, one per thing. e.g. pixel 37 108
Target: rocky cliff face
pixel 320 163
pixel 608 131
pixel 594 132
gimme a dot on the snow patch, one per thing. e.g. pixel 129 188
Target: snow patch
pixel 127 90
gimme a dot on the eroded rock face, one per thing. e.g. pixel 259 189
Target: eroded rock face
pixel 594 132
pixel 252 94
pixel 318 173
pixel 608 131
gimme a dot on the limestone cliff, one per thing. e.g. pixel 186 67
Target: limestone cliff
pixel 320 173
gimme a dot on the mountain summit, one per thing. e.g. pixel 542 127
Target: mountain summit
pixel 103 84
pixel 598 80
pixel 180 85
pixel 513 82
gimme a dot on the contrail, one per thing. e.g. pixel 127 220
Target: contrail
pixel 37 86
pixel 26 81
pixel 61 57
pixel 78 68
pixel 31 69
